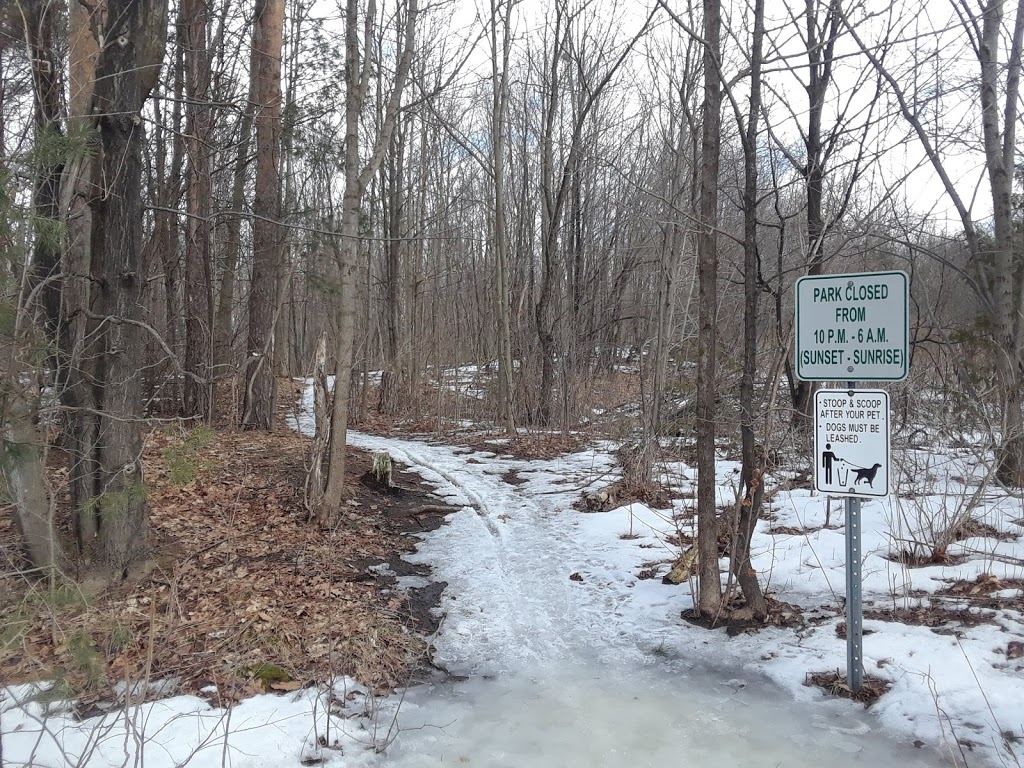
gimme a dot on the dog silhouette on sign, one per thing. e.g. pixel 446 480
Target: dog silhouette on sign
pixel 866 474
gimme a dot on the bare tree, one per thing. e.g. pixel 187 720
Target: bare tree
pixel 358 72
pixel 500 38
pixel 105 394
pixel 753 460
pixel 710 595
pixel 198 400
pixel 591 65
pixel 260 384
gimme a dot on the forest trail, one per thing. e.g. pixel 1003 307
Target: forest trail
pixel 562 644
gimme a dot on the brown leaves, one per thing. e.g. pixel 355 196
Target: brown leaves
pixel 834 683
pixel 238 578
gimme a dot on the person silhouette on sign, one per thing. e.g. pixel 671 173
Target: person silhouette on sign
pixel 827 457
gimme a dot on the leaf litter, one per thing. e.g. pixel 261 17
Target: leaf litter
pixel 238 580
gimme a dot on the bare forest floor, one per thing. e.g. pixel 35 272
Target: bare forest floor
pixel 242 591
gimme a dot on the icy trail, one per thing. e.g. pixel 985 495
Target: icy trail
pixel 574 661
pixel 510 603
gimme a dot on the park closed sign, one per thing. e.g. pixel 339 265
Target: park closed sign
pixel 853 327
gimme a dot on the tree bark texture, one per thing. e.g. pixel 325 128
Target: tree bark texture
pixel 260 383
pixel 198 387
pixel 24 483
pixel 108 487
pixel 709 601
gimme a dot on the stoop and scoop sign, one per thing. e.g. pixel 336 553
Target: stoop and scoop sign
pixel 851 442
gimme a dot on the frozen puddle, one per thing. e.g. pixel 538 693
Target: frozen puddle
pixel 602 718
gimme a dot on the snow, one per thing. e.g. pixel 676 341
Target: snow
pixel 563 656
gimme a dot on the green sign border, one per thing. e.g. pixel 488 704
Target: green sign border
pixel 906 324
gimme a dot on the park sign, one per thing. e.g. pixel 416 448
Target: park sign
pixel 851 442
pixel 852 327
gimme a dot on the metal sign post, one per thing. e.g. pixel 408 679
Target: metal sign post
pixel 854 598
pixel 855 588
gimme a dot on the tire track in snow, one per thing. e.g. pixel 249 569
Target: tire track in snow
pixel 510 599
pixel 400 450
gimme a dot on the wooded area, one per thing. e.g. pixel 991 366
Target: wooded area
pixel 195 197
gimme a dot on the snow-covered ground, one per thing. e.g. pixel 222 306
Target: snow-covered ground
pixel 573 659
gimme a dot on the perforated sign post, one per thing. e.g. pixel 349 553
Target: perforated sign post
pixel 852 327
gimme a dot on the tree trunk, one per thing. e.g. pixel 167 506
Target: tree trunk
pixel 322 428
pixel 77 192
pixel 709 601
pixel 550 218
pixel 233 240
pixel 357 177
pixel 22 445
pixel 24 473
pixel 393 378
pixel 499 103
pixel 173 289
pixel 108 487
pixel 260 383
pixel 820 49
pixel 1006 286
pixel 198 387
pixel 753 460
pixel 41 20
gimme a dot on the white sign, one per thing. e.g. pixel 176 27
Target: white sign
pixel 852 327
pixel 851 442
